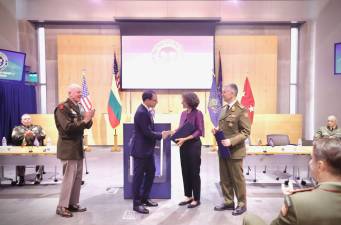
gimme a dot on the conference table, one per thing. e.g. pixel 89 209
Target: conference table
pixel 286 163
pixel 27 156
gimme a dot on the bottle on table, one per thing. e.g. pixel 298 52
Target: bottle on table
pixel 299 142
pixel 4 141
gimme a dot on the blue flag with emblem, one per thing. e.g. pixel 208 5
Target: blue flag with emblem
pixel 215 100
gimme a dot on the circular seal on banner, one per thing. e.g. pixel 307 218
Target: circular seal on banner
pixel 167 51
pixel 3 61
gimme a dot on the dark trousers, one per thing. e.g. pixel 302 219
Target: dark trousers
pixel 190 156
pixel 20 170
pixel 144 173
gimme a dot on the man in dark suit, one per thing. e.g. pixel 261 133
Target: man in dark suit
pixel 143 152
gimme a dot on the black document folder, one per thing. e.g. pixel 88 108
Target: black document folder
pixel 184 131
pixel 224 151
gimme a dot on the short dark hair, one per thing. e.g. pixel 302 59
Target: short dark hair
pixel 191 99
pixel 234 87
pixel 329 150
pixel 148 94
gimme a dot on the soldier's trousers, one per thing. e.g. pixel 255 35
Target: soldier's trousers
pixel 232 180
pixel 72 181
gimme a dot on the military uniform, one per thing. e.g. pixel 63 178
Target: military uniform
pixel 326 132
pixel 18 138
pixel 18 135
pixel 235 124
pixel 316 206
pixel 70 125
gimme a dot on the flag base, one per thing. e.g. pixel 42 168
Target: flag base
pixel 115 148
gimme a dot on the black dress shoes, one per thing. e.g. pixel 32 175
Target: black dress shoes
pixel 149 203
pixel 185 202
pixel 140 209
pixel 223 207
pixel 76 208
pixel 239 211
pixel 191 206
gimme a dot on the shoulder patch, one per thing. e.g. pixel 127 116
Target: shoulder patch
pixel 61 106
pixel 284 210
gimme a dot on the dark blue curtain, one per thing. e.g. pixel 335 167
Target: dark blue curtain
pixel 16 99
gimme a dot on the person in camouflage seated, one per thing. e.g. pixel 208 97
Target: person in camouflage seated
pixel 28 134
pixel 320 205
pixel 329 131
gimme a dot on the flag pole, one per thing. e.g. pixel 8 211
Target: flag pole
pixel 115 147
pixel 214 146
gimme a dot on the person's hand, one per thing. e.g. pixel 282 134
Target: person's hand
pixel 29 133
pixel 92 111
pixel 88 116
pixel 172 132
pixel 214 130
pixel 165 134
pixel 226 142
pixel 180 141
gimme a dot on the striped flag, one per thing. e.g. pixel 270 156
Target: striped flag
pixel 114 104
pixel 85 100
pixel 116 74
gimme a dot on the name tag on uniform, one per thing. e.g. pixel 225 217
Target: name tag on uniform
pixel 232 116
pixel 73 112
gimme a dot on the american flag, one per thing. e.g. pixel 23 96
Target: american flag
pixel 85 100
pixel 116 74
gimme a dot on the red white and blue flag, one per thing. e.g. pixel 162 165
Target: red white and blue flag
pixel 85 100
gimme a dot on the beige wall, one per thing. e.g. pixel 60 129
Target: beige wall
pixel 8 25
pixel 257 10
pixel 327 86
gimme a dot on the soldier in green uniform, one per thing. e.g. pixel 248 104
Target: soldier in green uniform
pixel 235 124
pixel 28 134
pixel 71 123
pixel 329 131
pixel 320 205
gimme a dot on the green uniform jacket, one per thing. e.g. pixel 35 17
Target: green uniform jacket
pixel 325 132
pixel 18 135
pixel 318 206
pixel 236 126
pixel 70 127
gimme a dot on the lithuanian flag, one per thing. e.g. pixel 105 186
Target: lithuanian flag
pixel 115 105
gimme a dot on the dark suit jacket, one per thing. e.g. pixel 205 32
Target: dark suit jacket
pixel 70 127
pixel 145 137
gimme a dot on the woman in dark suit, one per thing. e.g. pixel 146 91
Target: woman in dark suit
pixel 190 149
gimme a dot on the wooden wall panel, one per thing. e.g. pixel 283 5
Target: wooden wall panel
pixel 254 57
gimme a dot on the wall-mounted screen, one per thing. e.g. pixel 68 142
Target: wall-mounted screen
pixel 337 59
pixel 167 62
pixel 11 65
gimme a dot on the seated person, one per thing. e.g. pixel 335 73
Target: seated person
pixel 28 134
pixel 329 131
pixel 318 205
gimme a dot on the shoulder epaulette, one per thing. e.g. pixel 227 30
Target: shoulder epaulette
pixel 301 190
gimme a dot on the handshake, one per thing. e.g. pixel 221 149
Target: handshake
pixel 166 133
